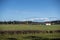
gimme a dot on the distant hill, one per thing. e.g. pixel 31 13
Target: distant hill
pixel 53 22
pixel 29 22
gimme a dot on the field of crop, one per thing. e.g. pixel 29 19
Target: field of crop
pixel 30 36
pixel 29 27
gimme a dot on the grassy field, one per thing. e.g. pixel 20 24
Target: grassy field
pixel 41 36
pixel 29 27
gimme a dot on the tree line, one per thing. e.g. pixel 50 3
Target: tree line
pixel 18 22
pixel 29 22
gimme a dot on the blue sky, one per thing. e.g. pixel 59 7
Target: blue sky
pixel 28 9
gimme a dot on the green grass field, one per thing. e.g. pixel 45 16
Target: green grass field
pixel 29 27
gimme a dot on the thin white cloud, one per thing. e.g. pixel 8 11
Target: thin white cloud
pixel 32 19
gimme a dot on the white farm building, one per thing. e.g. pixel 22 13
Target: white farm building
pixel 48 23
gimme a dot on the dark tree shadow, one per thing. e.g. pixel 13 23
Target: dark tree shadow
pixel 33 38
pixel 11 39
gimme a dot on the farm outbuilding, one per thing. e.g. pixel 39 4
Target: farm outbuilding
pixel 48 23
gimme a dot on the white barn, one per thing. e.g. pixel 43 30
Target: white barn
pixel 47 23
